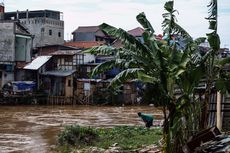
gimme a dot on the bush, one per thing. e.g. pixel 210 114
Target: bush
pixel 77 136
pixel 126 137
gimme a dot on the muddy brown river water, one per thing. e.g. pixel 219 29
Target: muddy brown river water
pixel 34 129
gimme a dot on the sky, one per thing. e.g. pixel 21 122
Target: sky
pixel 122 14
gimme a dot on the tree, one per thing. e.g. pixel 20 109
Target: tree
pixel 166 66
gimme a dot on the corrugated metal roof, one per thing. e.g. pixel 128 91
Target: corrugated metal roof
pixel 59 73
pixel 37 62
pixel 136 32
pixel 87 29
pixel 66 52
pixel 85 44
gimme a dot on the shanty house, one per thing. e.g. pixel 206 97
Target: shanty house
pixel 33 70
pixel 65 67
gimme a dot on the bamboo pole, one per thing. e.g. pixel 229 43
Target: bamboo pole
pixel 218 111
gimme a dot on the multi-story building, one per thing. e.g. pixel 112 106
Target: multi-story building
pixel 15 46
pixel 46 26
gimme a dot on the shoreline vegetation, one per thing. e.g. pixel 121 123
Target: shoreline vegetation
pixel 75 138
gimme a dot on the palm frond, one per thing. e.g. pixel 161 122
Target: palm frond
pixel 129 41
pixel 103 67
pixel 213 37
pixel 214 41
pixel 132 74
pixel 141 18
pixel 101 50
pixel 199 40
pixel 224 61
pixel 212 10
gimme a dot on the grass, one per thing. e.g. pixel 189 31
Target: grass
pixel 126 137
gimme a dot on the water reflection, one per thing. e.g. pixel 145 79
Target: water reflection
pixel 34 129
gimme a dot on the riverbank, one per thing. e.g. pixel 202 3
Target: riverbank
pixel 75 138
pixel 34 128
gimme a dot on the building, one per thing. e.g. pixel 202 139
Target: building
pixel 15 47
pixel 47 26
pixel 49 49
pixel 90 33
pixel 137 33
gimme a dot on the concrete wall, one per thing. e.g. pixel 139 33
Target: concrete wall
pixel 23 49
pixel 84 36
pixel 7 41
pixel 39 27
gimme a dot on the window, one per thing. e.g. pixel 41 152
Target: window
pixel 50 32
pixel 69 83
pixel 80 59
pixel 59 34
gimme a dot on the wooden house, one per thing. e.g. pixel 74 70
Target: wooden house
pixel 60 77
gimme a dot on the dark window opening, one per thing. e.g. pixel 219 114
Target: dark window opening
pixel 69 83
pixel 59 34
pixel 50 32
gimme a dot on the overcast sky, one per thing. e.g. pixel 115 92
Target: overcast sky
pixel 122 13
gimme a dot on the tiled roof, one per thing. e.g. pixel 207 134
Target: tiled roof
pixel 84 44
pixel 87 29
pixel 136 32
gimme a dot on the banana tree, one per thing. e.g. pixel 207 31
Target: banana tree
pixel 164 65
pixel 212 72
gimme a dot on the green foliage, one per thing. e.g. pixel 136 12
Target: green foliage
pixel 214 41
pixel 163 67
pixel 76 136
pixel 104 50
pixel 128 138
pixel 213 37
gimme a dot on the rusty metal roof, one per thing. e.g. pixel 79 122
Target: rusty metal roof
pixel 66 52
pixel 84 44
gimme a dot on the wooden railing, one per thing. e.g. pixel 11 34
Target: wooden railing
pixel 60 100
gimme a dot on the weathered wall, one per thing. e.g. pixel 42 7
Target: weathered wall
pixel 23 49
pixel 84 36
pixel 39 27
pixel 7 41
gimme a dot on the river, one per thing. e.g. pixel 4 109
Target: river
pixel 34 129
